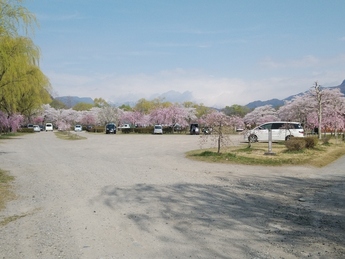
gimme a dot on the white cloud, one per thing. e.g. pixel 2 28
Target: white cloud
pixel 206 89
pixel 306 61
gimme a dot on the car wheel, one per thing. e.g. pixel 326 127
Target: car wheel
pixel 288 137
pixel 252 138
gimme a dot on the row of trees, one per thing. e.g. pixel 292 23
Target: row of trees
pixel 320 108
pixel 23 86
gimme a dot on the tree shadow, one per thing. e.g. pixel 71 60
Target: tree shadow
pixel 238 218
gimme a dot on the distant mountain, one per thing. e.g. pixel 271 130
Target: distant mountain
pixel 174 96
pixel 341 87
pixel 70 101
pixel 170 96
pixel 273 102
pixel 277 102
pixel 177 97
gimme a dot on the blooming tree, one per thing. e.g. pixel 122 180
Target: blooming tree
pixel 134 118
pixel 176 114
pixel 10 122
pixel 108 114
pixel 219 122
pixel 261 115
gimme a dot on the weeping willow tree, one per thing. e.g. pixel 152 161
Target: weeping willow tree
pixel 23 86
pixel 15 18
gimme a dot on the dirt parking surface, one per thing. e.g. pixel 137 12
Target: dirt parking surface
pixel 137 196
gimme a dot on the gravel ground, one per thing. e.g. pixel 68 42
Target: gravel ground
pixel 137 196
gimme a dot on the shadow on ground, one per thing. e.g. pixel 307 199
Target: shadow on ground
pixel 251 218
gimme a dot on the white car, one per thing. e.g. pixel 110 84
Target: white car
pixel 125 126
pixel 78 128
pixel 281 130
pixel 158 129
pixel 37 128
pixel 49 126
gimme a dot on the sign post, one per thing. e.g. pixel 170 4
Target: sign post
pixel 269 152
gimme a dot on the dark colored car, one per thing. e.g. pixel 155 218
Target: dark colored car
pixel 194 129
pixel 110 128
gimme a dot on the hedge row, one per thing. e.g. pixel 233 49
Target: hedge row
pixel 296 144
pixel 26 130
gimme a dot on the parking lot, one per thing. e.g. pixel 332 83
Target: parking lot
pixel 137 196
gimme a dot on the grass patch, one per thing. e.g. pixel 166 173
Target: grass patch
pixel 67 135
pixel 319 156
pixel 11 135
pixel 10 219
pixel 6 193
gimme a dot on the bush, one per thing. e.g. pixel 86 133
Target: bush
pixel 325 140
pixel 311 142
pixel 295 144
pixel 126 130
pixel 26 130
pixel 147 130
pixel 97 129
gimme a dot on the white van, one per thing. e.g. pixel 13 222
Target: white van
pixel 281 130
pixel 49 126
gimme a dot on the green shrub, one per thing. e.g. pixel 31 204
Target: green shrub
pixel 295 144
pixel 311 142
pixel 126 130
pixel 26 130
pixel 98 129
pixel 147 130
pixel 167 130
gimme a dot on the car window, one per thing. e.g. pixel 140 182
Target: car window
pixel 277 125
pixel 266 126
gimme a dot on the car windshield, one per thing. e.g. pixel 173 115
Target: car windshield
pixel 158 127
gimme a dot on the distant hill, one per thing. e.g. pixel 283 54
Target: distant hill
pixel 71 101
pixel 174 96
pixel 277 102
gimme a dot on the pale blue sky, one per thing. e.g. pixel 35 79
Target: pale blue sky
pixel 225 52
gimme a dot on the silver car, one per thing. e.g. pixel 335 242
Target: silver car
pixel 37 128
pixel 158 129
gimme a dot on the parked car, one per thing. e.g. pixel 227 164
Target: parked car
pixel 194 129
pixel 281 130
pixel 158 129
pixel 41 127
pixel 49 126
pixel 125 126
pixel 207 130
pixel 110 128
pixel 89 128
pixel 78 128
pixel 36 128
pixel 30 126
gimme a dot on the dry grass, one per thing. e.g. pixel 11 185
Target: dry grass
pixel 320 156
pixel 6 193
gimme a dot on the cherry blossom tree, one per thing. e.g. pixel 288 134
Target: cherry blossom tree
pixel 108 114
pixel 158 116
pixel 333 110
pixel 294 110
pixel 220 124
pixel 134 118
pixel 261 115
pixel 177 114
pixel 89 117
pixel 10 123
pixel 50 114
